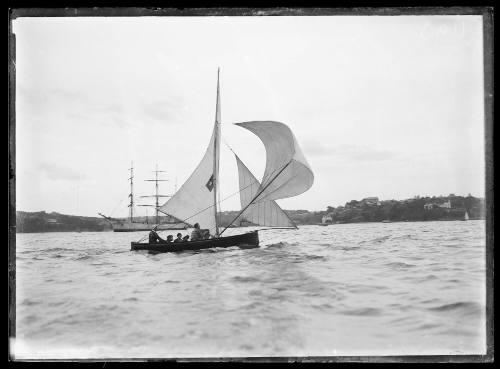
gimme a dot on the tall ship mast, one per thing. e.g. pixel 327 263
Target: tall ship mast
pixel 157 196
pixel 131 195
pixel 132 224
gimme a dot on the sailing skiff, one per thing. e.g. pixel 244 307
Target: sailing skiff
pixel 249 239
pixel 286 174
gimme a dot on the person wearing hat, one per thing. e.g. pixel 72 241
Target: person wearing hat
pixel 153 236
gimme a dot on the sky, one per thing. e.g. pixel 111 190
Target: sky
pixel 386 106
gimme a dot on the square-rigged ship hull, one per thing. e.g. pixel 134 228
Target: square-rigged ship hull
pixel 139 226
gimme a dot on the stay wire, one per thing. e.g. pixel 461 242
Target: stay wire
pixel 220 201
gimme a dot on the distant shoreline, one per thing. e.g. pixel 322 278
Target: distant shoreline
pixel 299 225
pixel 367 210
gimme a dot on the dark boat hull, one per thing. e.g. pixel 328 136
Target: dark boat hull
pixel 250 239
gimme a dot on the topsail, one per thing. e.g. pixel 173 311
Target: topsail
pixel 287 172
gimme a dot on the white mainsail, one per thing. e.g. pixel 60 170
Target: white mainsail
pixel 196 200
pixel 287 172
pixel 264 213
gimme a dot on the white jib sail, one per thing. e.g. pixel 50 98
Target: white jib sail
pixel 287 172
pixel 264 213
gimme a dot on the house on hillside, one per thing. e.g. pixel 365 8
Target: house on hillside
pixel 326 219
pixel 52 223
pixel 430 205
pixel 446 205
pixel 371 201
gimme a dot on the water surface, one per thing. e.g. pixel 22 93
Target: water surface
pixel 353 289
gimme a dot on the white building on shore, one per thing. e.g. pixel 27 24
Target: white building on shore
pixel 326 219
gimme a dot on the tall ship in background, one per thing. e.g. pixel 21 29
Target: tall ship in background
pixel 136 224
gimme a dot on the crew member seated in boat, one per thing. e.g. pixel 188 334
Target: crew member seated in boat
pixel 185 238
pixel 196 234
pixel 206 234
pixel 153 237
pixel 179 237
pixel 170 238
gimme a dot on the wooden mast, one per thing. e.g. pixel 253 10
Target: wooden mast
pixel 131 205
pixel 156 195
pixel 216 155
pixel 156 203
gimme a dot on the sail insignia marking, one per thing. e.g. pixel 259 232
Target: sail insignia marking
pixel 210 184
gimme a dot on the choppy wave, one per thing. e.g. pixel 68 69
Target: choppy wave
pixel 464 307
pixel 245 279
pixel 399 265
pixel 363 312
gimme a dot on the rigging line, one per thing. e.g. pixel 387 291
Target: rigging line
pixel 258 194
pixel 227 197
pixel 251 184
pixel 231 195
pixel 205 209
pixel 256 181
pixel 116 207
pixel 224 199
pixel 258 214
pixel 286 214
pixel 229 147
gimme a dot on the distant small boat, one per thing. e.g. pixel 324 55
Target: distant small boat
pixel 466 216
pixel 386 221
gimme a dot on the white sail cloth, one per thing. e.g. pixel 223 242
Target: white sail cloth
pixel 287 172
pixel 264 213
pixel 194 201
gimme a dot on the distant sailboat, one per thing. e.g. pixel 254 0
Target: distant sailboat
pixel 466 216
pixel 287 174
